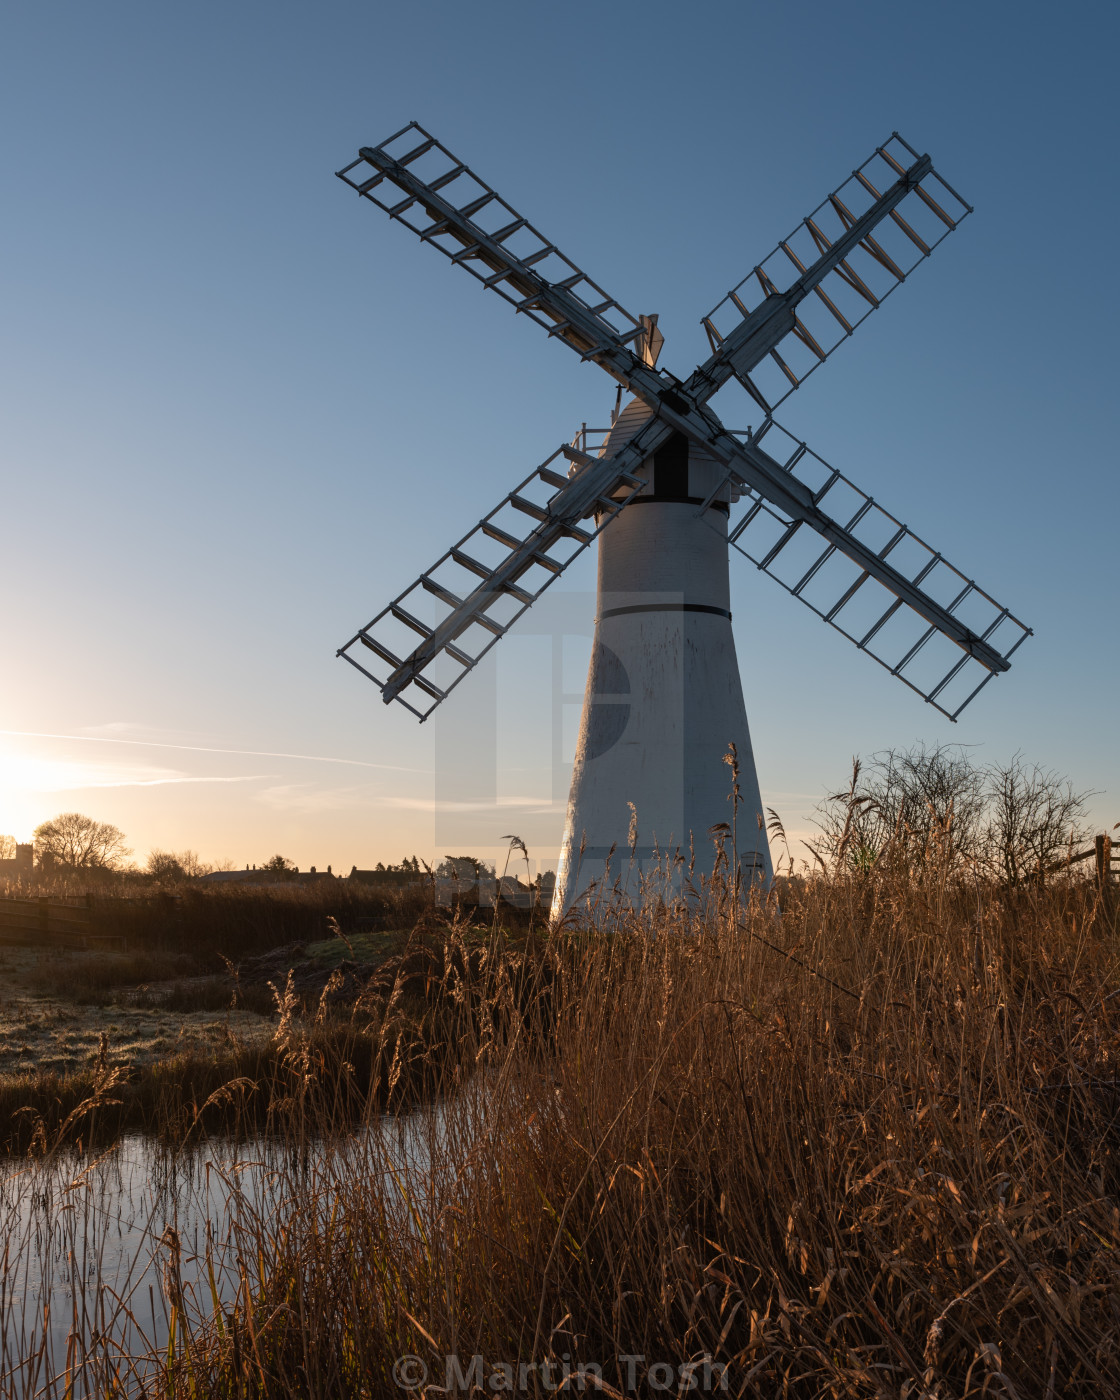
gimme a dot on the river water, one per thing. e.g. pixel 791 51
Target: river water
pixel 92 1252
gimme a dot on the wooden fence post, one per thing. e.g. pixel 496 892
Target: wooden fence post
pixel 1104 862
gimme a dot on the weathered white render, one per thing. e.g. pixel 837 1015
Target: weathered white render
pixel 664 699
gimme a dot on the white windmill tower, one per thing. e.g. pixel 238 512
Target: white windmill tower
pixel 664 697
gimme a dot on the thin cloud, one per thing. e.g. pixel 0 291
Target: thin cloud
pixel 202 748
pixel 430 804
pixel 21 772
pixel 176 778
pixel 302 797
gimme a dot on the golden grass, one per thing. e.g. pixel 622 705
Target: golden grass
pixel 880 1161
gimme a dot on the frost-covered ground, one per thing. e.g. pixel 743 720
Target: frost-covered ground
pixel 44 1030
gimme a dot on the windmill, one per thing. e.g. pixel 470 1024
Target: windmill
pixel 671 490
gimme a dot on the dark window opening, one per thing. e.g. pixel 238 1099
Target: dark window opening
pixel 670 468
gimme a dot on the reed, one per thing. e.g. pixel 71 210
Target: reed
pixel 205 924
pixel 322 1067
pixel 865 1145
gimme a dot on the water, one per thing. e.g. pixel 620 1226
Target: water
pixel 96 1251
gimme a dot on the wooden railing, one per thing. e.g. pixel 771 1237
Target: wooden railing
pixel 1106 855
pixel 54 923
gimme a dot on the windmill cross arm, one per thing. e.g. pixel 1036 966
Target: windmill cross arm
pixel 541 282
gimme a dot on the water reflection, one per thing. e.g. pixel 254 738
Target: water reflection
pixel 94 1253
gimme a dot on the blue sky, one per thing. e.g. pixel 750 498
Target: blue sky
pixel 241 410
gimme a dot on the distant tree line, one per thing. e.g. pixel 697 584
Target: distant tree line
pixel 75 843
pixel 449 868
pixel 902 807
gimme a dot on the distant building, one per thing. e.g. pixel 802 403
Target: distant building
pixel 237 877
pixel 486 891
pixel 314 874
pixel 22 866
pixel 254 876
pixel 507 890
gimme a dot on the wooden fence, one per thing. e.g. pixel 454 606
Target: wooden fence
pixel 53 923
pixel 1107 858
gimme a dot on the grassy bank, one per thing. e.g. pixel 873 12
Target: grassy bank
pixel 868 1147
pixel 304 1040
pixel 97 1043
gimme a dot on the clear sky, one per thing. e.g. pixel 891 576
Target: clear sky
pixel 241 410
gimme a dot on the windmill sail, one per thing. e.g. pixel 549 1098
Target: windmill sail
pixel 445 204
pixel 838 266
pixel 441 626
pixel 823 574
pixel 826 541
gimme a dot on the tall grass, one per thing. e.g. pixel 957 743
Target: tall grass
pixel 866 1146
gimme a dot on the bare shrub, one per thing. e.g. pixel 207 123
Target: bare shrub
pixel 1032 816
pixel 922 808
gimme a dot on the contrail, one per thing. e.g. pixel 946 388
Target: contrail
pixel 200 748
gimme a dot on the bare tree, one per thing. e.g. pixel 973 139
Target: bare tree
pixel 7 848
pixel 1033 816
pixel 78 841
pixel 171 867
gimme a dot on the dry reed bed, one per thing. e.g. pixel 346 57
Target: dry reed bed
pixel 207 924
pixel 316 1069
pixel 881 1162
